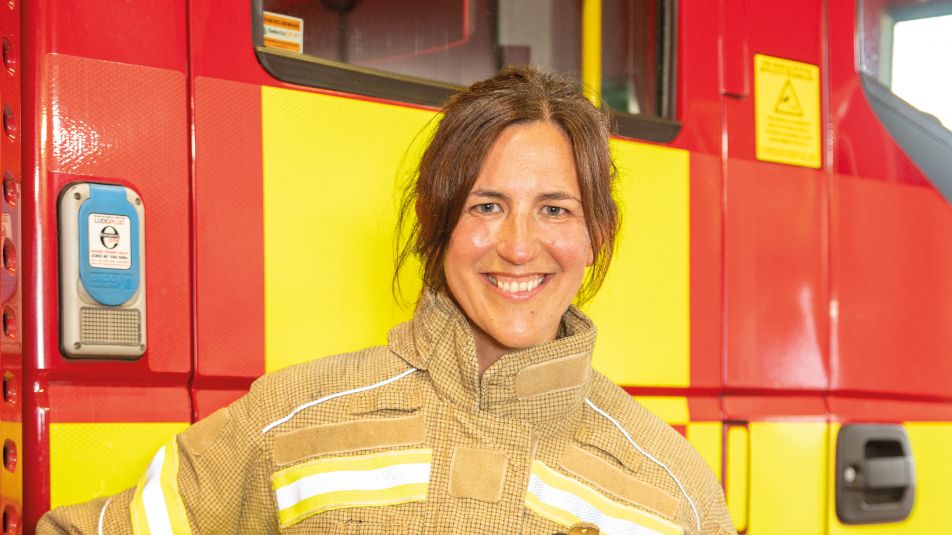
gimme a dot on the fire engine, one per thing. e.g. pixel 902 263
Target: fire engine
pixel 196 193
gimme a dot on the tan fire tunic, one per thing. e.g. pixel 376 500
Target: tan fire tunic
pixel 408 438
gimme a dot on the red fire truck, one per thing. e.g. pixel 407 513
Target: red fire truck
pixel 197 193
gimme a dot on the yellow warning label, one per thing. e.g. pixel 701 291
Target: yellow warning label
pixel 787 102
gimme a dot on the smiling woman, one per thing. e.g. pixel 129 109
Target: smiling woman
pixel 520 248
pixel 483 413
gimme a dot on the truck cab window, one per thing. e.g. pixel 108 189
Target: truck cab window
pixel 421 52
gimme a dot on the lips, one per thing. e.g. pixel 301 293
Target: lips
pixel 516 285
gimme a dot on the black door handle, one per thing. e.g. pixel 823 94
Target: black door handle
pixel 875 474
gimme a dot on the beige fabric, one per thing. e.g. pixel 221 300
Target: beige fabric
pixel 203 433
pixel 477 473
pixel 551 376
pixel 347 436
pixel 614 480
pixel 227 488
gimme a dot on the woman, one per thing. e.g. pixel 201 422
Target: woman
pixel 482 415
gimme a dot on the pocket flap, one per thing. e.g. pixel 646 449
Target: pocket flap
pixel 617 482
pixel 344 437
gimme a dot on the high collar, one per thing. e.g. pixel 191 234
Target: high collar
pixel 538 385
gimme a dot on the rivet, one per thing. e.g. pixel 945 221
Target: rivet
pixel 77 345
pixel 138 201
pixel 77 196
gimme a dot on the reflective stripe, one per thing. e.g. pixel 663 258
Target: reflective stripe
pixel 102 515
pixel 373 480
pixel 157 507
pixel 566 501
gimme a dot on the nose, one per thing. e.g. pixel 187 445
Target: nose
pixel 518 241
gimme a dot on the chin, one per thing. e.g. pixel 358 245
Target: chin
pixel 520 340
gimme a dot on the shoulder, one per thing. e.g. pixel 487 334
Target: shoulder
pixel 338 375
pixel 648 446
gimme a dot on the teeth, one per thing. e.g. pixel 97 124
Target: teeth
pixel 517 287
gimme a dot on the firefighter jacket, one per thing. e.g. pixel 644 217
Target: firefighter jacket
pixel 409 438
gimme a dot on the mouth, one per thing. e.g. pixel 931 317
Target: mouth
pixel 517 287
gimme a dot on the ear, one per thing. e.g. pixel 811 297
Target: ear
pixel 591 258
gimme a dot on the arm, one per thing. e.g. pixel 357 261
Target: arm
pixel 209 479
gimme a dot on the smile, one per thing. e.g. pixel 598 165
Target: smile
pixel 516 286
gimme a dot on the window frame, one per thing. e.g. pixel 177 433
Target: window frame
pixel 320 73
pixel 926 141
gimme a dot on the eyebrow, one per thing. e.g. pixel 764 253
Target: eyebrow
pixel 548 196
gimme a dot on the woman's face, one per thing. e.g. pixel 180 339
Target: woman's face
pixel 518 255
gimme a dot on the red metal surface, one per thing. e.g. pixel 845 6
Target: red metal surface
pixel 111 110
pixel 809 406
pixel 891 247
pixel 775 278
pixel 74 403
pixel 149 34
pixel 228 233
pixel 861 146
pixel 734 48
pixel 892 259
pixel 859 410
pixel 11 369
pixel 704 409
pixel 698 103
pixel 706 271
pixel 698 99
pixel 775 216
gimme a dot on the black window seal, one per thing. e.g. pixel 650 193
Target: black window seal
pixel 923 138
pixel 321 73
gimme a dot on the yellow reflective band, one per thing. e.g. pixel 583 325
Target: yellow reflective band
pixel 373 480
pixel 565 501
pixel 157 507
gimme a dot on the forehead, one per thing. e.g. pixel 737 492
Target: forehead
pixel 536 155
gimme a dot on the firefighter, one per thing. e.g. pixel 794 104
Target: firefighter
pixel 482 414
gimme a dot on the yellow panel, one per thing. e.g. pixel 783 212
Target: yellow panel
pixel 931 512
pixel 787 478
pixel 738 477
pixel 672 409
pixel 88 460
pixel 330 197
pixel 642 311
pixel 706 439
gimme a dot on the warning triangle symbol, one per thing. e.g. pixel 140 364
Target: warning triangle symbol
pixel 788 103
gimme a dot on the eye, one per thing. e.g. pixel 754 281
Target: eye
pixel 554 211
pixel 486 208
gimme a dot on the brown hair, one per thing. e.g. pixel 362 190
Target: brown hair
pixel 472 120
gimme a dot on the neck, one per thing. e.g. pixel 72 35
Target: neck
pixel 488 350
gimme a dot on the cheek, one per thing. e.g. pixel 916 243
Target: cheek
pixel 469 242
pixel 572 251
pixel 471 237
